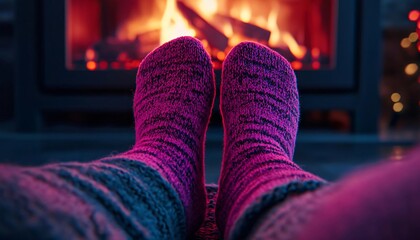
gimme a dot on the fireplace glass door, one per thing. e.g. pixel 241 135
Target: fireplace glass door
pixel 113 34
pixel 98 44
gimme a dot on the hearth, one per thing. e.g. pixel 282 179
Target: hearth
pixel 83 55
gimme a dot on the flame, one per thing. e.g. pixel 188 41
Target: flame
pixel 275 37
pixel 296 49
pixel 168 22
pixel 227 29
pixel 283 39
pixel 246 13
pixel 207 8
pixel 90 54
pixel 173 25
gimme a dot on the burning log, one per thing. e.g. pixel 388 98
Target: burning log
pixel 148 41
pixel 215 38
pixel 245 29
pixel 110 49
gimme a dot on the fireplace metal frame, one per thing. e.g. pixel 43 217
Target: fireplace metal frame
pixel 44 84
pixel 341 76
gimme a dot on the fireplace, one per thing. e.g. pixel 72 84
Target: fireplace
pixel 114 35
pixel 87 52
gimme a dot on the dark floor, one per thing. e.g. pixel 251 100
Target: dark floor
pixel 328 155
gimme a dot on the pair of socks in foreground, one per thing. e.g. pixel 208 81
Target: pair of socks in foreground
pixel 156 190
pixel 260 109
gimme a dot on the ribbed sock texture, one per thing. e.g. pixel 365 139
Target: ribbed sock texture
pixel 260 109
pixel 113 198
pixel 172 105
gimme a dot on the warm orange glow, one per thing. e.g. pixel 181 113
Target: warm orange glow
pixel 173 25
pixel 281 25
pixel 395 97
pixel 413 37
pixel 414 15
pixel 227 29
pixel 91 65
pixel 296 65
pixel 398 107
pixel 405 43
pixel 316 65
pixel 418 25
pixel 315 53
pixel 411 69
pixel 205 43
pixel 246 13
pixel 275 37
pixel 283 39
pixel 221 56
pixel 207 8
pixel 295 48
pixel 90 54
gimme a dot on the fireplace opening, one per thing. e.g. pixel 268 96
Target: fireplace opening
pixel 117 35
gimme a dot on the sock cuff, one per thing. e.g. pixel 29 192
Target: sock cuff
pixel 170 205
pixel 244 225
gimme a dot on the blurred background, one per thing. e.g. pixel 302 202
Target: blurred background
pixel 68 73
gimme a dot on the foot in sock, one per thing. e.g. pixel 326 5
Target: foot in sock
pixel 172 105
pixel 260 109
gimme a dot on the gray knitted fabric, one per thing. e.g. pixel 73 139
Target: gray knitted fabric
pixel 285 219
pixel 251 219
pixel 106 199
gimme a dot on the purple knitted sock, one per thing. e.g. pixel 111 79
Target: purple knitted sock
pixel 260 109
pixel 172 106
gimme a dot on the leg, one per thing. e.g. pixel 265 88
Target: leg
pixel 154 191
pixel 260 109
pixel 107 199
pixel 379 202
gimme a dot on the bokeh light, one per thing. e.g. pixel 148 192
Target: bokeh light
pixel 411 69
pixel 405 43
pixel 413 37
pixel 398 107
pixel 395 97
pixel 414 15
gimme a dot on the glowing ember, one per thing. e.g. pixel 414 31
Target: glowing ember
pixel 91 65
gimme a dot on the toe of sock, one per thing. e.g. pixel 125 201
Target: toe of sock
pixel 180 49
pixel 252 53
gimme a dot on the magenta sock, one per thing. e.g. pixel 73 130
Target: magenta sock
pixel 172 106
pixel 260 109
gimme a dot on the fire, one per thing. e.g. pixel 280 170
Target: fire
pixel 296 49
pixel 246 13
pixel 173 24
pixel 207 8
pixel 152 23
